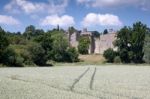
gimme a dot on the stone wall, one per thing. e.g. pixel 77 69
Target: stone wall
pixel 106 41
pixel 98 44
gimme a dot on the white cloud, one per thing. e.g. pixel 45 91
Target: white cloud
pixel 101 19
pixel 55 20
pixel 143 4
pixel 36 7
pixel 8 20
pixel 83 1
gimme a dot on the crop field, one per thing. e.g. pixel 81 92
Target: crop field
pixel 75 82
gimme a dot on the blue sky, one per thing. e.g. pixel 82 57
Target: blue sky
pixel 15 15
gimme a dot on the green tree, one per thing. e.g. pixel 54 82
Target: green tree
pixel 71 30
pixel 46 41
pixel 130 42
pixel 29 32
pixel 3 40
pixel 60 45
pixel 11 58
pixel 83 46
pixel 123 45
pixel 147 48
pixel 105 31
pixel 4 43
pixel 137 41
pixel 37 53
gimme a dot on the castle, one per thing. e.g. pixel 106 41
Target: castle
pixel 98 43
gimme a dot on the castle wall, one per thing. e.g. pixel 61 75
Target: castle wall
pixel 106 41
pixel 98 44
pixel 73 40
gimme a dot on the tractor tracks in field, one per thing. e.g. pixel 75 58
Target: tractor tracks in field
pixel 78 79
pixel 81 76
pixel 92 79
pixel 17 78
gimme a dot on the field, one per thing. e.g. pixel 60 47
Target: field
pixel 76 82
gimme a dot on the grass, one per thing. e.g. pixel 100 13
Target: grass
pixel 76 82
pixel 93 59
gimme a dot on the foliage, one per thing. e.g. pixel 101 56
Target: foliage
pixel 71 30
pixel 147 48
pixel 37 53
pixel 56 46
pixel 60 45
pixel 3 40
pixel 45 41
pixel 130 42
pixel 73 55
pixel 122 42
pixel 31 32
pixel 27 57
pixel 109 55
pixel 83 45
pixel 4 43
pixel 105 31
pixel 17 39
pixel 117 59
pixel 11 58
pixel 96 34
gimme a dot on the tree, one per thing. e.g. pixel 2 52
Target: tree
pixel 37 53
pixel 4 43
pixel 11 58
pixel 3 40
pixel 60 45
pixel 146 57
pixel 130 42
pixel 46 41
pixel 83 46
pixel 105 31
pixel 123 45
pixel 39 32
pixel 29 31
pixel 71 30
pixel 137 41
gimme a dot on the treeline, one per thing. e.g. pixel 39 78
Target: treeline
pixel 35 47
pixel 133 45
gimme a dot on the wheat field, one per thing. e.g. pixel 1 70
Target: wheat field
pixel 75 82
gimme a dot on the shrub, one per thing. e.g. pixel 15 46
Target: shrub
pixel 19 61
pixel 11 58
pixel 27 57
pixel 73 54
pixel 109 54
pixel 37 53
pixel 117 59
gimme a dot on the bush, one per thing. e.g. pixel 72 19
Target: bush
pixel 37 53
pixel 110 54
pixel 11 58
pixel 27 57
pixel 19 61
pixel 117 59
pixel 73 54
